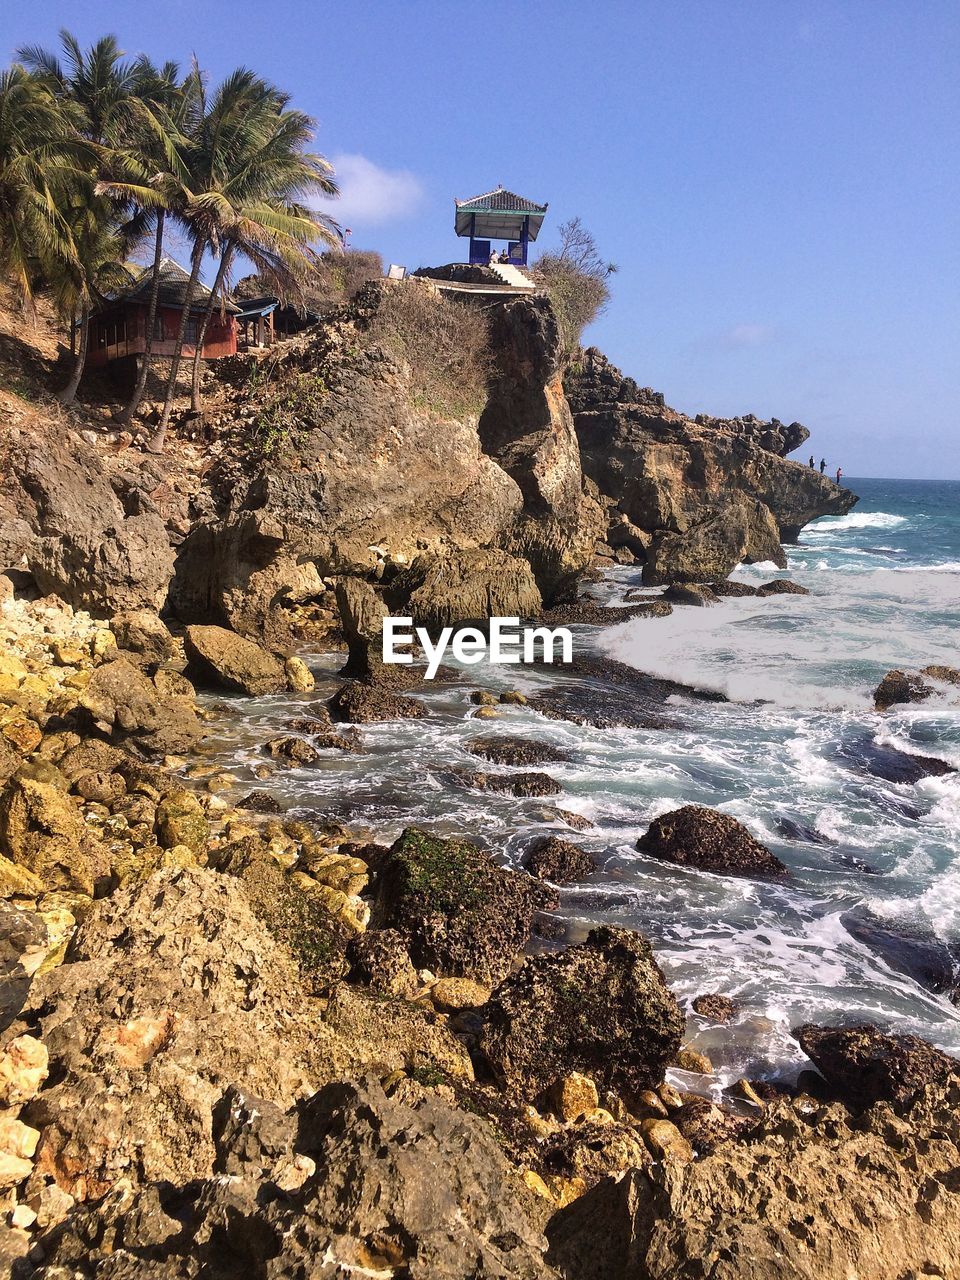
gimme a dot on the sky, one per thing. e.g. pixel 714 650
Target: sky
pixel 778 181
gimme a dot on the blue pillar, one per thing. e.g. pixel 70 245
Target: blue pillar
pixel 524 239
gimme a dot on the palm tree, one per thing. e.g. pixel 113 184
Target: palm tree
pixel 37 150
pixel 234 126
pixel 260 215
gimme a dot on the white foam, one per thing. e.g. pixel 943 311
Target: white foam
pixel 855 520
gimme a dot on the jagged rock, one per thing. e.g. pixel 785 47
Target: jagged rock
pixel 601 1008
pixel 588 1151
pixel 604 615
pixel 361 618
pixel 181 821
pixel 291 751
pixel 450 995
pixel 505 749
pixel 42 831
pixel 897 687
pixel 734 589
pixel 690 593
pixel 23 1070
pixel 573 1095
pixel 142 636
pixel 790 1204
pixel 123 702
pixel 61 520
pixel 550 858
pixel 712 841
pixel 738 530
pixel 462 915
pixel 716 1007
pixel 530 783
pixel 360 1197
pixel 782 587
pixel 466 585
pixel 380 960
pixel 360 702
pixel 231 661
pixel 863 1065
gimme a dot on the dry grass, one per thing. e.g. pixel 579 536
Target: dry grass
pixel 445 343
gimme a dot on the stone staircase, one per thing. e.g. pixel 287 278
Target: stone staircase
pixel 515 277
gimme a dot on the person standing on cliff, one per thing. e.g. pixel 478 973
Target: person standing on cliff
pixel 812 463
pixel 823 465
pixel 839 474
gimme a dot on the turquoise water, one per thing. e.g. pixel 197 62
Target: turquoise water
pixel 795 755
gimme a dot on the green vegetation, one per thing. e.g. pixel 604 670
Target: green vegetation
pixel 100 153
pixel 294 408
pixel 576 278
pixel 445 343
pixel 441 874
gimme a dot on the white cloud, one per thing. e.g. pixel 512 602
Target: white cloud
pixel 371 195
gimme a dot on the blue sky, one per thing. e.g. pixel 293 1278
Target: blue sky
pixel 778 182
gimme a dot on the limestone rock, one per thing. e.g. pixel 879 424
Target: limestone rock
pixel 898 687
pixel 463 915
pixel 221 657
pixel 361 618
pixel 510 749
pixel 123 702
pixel 695 836
pixel 863 1065
pixel 601 1008
pixel 466 585
pixel 362 702
pixel 143 637
pixel 550 858
pixel 23 1069
pixel 181 821
pixel 42 831
pixel 573 1095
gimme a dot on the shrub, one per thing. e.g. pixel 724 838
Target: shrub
pixel 337 277
pixel 445 343
pixel 575 277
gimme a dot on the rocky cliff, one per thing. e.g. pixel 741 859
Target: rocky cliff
pixel 707 492
pixel 327 459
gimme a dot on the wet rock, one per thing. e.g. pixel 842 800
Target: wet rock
pixel 690 593
pixel 514 698
pixel 510 750
pixel 601 1008
pixel 291 752
pixel 928 959
pixel 691 1060
pixel 362 703
pixel 791 829
pixel 483 698
pixel 299 676
pixel 574 820
pixel 947 675
pixel 550 858
pixel 609 694
pixel 735 590
pixel 705 1125
pixel 898 687
pixel 887 762
pixel 226 660
pixel 585 613
pixel 694 836
pixel 124 703
pixel 863 1065
pixel 260 802
pixel 782 587
pixel 462 915
pixel 716 1007
pixel 517 784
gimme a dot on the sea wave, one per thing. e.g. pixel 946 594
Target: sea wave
pixel 855 520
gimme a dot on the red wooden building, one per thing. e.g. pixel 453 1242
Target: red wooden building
pixel 118 330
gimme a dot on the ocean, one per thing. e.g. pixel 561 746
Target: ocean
pixel 867 927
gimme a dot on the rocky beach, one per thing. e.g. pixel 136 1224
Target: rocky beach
pixel 312 967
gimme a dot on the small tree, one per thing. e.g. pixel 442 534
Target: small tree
pixel 576 278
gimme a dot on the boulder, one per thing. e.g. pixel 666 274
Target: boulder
pixel 690 593
pixel 462 915
pixel 351 1182
pixel 379 959
pixel 122 702
pixel 222 658
pixel 782 587
pixel 695 836
pixel 715 1007
pixel 863 1065
pixel 143 637
pixel 465 585
pixel 363 702
pixel 527 783
pixel 898 687
pixel 510 750
pixel 42 831
pixel 180 820
pixel 601 1008
pixel 550 858
pixel 736 530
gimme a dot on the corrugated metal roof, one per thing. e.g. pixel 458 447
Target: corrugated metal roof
pixel 500 201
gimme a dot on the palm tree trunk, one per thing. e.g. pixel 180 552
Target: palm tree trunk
pixel 157 443
pixel 225 256
pixel 69 392
pixel 138 390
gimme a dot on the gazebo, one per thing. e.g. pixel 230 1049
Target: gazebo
pixel 499 215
